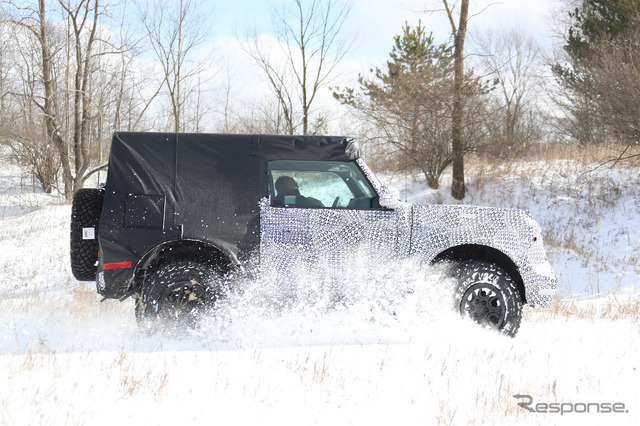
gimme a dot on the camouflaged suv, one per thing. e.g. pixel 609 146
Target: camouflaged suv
pixel 180 212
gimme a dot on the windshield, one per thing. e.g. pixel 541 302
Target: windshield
pixel 332 184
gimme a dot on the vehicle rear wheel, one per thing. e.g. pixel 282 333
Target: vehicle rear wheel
pixel 489 296
pixel 177 295
pixel 85 217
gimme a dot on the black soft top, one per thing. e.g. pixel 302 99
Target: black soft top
pixel 168 186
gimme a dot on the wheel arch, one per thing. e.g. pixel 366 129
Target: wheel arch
pixel 182 250
pixel 470 252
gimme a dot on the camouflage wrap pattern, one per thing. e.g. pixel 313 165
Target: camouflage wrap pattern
pixel 402 230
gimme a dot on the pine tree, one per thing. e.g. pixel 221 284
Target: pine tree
pixel 597 20
pixel 409 102
pixel 601 76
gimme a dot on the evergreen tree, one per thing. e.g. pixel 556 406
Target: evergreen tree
pixel 598 20
pixel 409 102
pixel 601 77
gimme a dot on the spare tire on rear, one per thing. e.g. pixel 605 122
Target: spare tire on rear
pixel 85 216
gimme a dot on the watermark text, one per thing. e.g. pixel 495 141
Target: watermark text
pixel 562 408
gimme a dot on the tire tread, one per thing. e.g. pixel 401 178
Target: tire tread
pixel 85 212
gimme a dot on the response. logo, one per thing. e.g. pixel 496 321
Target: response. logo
pixel 562 408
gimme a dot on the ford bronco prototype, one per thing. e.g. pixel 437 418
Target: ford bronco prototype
pixel 181 212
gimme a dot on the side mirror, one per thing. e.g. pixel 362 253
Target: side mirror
pixel 389 197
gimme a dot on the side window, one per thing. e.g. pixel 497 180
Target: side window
pixel 329 184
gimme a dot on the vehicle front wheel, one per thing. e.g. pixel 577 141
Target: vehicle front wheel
pixel 177 295
pixel 489 296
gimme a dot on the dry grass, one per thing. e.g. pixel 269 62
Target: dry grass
pixel 483 168
pixel 613 308
pixel 483 164
pixel 135 380
pixel 81 302
pixel 551 152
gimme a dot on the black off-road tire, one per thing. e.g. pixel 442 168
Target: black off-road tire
pixel 175 296
pixel 489 296
pixel 85 213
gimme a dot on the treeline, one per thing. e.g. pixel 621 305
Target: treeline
pixel 600 75
pixel 74 71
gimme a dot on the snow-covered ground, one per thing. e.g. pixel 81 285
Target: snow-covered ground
pixel 392 354
pixel 588 213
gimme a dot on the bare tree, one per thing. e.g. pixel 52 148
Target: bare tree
pixel 33 19
pixel 83 17
pixel 4 68
pixel 5 59
pixel 279 78
pixel 225 99
pixel 20 130
pixel 175 32
pixel 512 60
pixel 65 90
pixel 616 80
pixel 129 105
pixel 262 116
pixel 312 44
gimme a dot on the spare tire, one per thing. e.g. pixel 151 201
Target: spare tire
pixel 85 216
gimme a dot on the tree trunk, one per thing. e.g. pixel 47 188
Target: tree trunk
pixel 457 142
pixel 432 182
pixel 53 130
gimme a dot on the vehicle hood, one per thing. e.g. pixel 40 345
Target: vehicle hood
pixel 436 227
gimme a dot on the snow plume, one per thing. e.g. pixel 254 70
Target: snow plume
pixel 364 302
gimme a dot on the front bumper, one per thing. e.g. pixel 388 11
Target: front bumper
pixel 540 284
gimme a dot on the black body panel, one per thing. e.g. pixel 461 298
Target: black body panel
pixel 163 187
